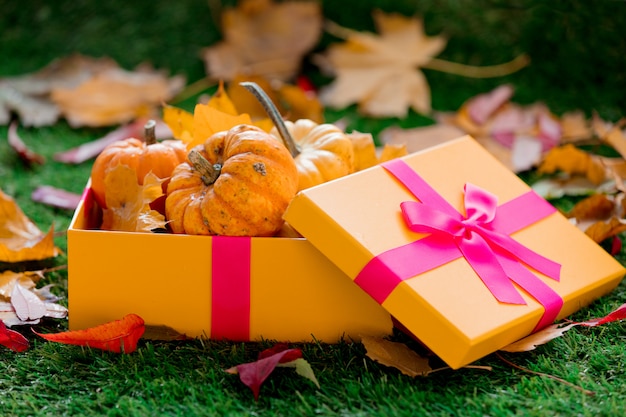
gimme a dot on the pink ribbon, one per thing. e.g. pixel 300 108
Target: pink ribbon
pixel 481 237
pixel 230 285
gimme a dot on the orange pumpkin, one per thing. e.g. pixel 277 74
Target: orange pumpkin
pixel 239 183
pixel 160 158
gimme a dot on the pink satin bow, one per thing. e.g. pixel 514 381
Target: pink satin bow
pixel 488 251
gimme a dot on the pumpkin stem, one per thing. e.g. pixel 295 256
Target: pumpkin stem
pixel 148 132
pixel 208 172
pixel 273 114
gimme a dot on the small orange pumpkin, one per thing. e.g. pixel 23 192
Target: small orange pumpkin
pixel 160 158
pixel 239 183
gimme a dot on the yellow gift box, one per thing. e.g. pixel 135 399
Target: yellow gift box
pixel 240 289
pixel 456 247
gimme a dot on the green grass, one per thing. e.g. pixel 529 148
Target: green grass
pixel 578 63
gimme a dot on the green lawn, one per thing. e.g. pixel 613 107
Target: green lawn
pixel 577 63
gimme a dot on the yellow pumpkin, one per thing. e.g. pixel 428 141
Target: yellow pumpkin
pixel 322 152
pixel 238 183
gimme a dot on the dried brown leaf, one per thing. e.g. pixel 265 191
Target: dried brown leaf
pixel 596 206
pixel 268 39
pixel 601 230
pixel 396 355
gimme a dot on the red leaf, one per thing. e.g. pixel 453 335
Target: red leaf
pixel 55 197
pixel 26 155
pixel 253 374
pixel 12 339
pixel 116 336
pixel 292 355
pixel 617 314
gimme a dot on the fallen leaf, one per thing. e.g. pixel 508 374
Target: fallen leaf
pixel 28 306
pixel 28 95
pixel 381 72
pixel 557 330
pixel 20 239
pixel 614 136
pixel 596 206
pixel 162 332
pixel 253 374
pixel 12 339
pixel 55 197
pixel 600 231
pixel 573 161
pixel 575 127
pixel 115 96
pixel 16 143
pixel 9 317
pixel 303 368
pixel 128 203
pixel 264 38
pixel 92 149
pixel 119 336
pixel 396 355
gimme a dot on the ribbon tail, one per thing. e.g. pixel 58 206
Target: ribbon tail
pixel 536 288
pixel 531 258
pixel 484 262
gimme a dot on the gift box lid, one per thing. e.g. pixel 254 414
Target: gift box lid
pixel 456 247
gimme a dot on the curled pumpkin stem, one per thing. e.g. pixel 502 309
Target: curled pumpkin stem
pixel 149 132
pixel 208 172
pixel 273 114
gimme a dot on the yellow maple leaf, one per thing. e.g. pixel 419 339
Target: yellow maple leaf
pixel 20 239
pixel 128 203
pixel 367 155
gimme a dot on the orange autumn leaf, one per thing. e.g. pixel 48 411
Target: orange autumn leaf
pixel 596 206
pixel 573 161
pixel 115 96
pixel 120 336
pixel 128 203
pixel 601 231
pixel 20 239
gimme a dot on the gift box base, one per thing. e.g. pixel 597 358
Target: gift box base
pixel 295 293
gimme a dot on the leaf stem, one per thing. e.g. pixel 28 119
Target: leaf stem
pixel 149 132
pixel 561 380
pixel 273 114
pixel 208 172
pixel 478 72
